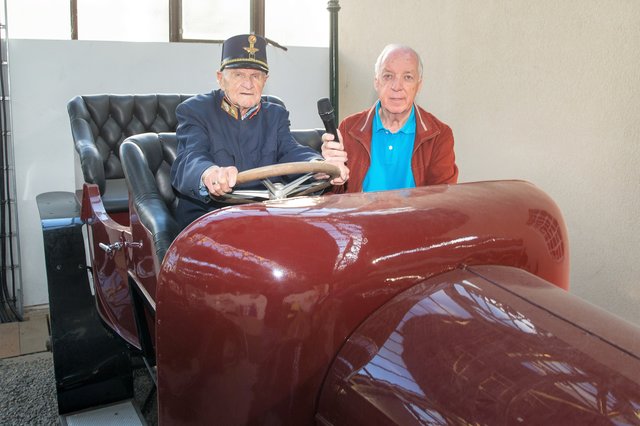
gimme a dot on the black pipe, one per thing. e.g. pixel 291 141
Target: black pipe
pixel 333 6
pixel 6 222
pixel 256 25
pixel 5 298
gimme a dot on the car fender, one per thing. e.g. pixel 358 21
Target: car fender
pixel 254 301
pixel 485 345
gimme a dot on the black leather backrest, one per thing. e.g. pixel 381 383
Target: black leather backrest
pixel 309 137
pixel 272 99
pixel 99 124
pixel 146 161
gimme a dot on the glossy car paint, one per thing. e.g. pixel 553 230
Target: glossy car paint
pixel 144 267
pixel 109 269
pixel 254 302
pixel 487 345
pixel 92 366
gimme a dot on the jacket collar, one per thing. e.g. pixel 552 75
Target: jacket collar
pixel 426 127
pixel 234 110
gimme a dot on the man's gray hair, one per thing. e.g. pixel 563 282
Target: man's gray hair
pixel 389 49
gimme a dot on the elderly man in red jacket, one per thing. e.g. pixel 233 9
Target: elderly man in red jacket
pixel 395 143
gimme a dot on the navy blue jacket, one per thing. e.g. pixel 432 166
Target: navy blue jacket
pixel 207 135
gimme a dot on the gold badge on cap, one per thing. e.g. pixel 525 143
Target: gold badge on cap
pixel 251 49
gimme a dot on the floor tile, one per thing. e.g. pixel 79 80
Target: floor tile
pixel 9 340
pixel 34 334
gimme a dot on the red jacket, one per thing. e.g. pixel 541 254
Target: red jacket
pixel 433 160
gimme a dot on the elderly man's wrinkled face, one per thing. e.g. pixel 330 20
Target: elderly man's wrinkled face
pixel 243 86
pixel 398 82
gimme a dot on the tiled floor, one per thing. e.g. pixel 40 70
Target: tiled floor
pixel 26 337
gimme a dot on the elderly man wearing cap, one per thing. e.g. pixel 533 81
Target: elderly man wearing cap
pixel 232 129
pixel 395 143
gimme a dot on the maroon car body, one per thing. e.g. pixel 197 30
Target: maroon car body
pixel 486 345
pixel 435 305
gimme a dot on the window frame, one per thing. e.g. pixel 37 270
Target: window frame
pixel 256 24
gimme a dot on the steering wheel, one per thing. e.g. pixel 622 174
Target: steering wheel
pixel 304 185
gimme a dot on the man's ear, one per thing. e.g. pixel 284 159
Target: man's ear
pixel 219 78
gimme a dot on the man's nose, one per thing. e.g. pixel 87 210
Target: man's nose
pixel 247 82
pixel 396 84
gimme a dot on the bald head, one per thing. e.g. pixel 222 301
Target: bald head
pixel 392 49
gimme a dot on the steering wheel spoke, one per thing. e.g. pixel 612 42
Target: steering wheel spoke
pixel 290 188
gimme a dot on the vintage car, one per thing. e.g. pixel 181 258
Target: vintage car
pixel 437 305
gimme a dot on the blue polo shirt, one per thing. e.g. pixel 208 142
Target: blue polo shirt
pixel 391 156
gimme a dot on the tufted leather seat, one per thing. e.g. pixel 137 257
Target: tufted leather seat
pixel 99 124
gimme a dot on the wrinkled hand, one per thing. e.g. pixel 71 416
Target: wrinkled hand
pixel 220 180
pixel 334 153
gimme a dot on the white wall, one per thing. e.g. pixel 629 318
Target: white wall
pixel 46 74
pixel 547 91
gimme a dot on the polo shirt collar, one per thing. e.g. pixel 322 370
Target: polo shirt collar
pixel 409 127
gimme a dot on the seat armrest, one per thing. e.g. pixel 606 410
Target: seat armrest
pixel 144 160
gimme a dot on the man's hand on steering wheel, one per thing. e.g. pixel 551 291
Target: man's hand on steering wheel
pixel 305 184
pixel 220 180
pixel 340 180
pixel 344 173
